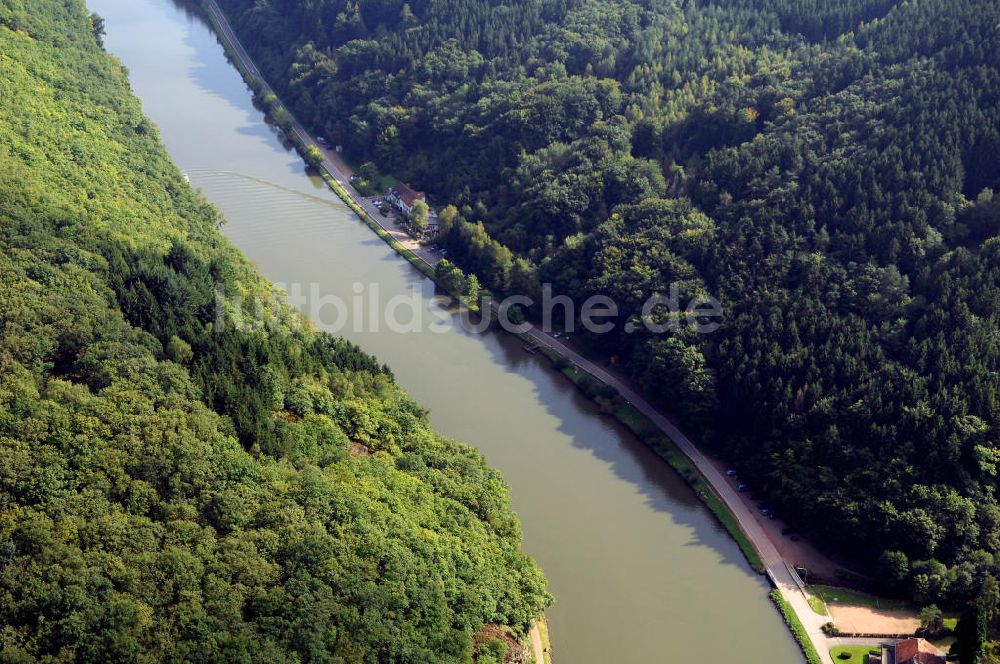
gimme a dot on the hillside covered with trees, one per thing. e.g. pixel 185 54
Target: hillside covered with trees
pixel 175 486
pixel 826 169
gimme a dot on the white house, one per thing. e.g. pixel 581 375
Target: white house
pixel 403 197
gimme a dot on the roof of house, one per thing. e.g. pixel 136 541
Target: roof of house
pixel 917 651
pixel 407 194
pixel 907 650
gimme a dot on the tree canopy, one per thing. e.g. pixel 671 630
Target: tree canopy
pixel 175 485
pixel 826 169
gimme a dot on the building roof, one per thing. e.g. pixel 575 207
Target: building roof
pixel 907 650
pixel 917 651
pixel 406 194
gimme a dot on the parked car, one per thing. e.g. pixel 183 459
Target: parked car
pixel 731 472
pixel 742 488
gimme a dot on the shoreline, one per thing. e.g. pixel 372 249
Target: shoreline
pixel 541 647
pixel 628 406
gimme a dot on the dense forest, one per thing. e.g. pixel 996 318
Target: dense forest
pixel 826 169
pixel 178 487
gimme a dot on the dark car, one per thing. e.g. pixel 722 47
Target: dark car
pixel 731 472
pixel 742 488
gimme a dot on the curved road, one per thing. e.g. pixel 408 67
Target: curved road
pixel 776 568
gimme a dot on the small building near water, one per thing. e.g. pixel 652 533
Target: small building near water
pixel 917 651
pixel 912 651
pixel 403 196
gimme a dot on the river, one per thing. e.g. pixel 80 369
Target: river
pixel 640 570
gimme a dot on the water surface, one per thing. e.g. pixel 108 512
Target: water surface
pixel 640 570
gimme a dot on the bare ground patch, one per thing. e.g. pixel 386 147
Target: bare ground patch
pixel 864 620
pixel 358 450
pixel 516 652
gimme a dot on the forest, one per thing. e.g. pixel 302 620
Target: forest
pixel 826 169
pixel 174 485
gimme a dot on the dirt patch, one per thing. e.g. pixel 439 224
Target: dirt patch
pixel 863 620
pixel 357 449
pixel 287 416
pixel 540 645
pixel 516 653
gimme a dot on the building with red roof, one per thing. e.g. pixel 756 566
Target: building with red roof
pixel 403 196
pixel 917 651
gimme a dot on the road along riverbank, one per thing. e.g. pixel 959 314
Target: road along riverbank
pixel 632 558
pixel 710 485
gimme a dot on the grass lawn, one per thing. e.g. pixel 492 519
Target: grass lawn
pixel 832 595
pixel 817 605
pixel 381 184
pixel 386 182
pixel 851 654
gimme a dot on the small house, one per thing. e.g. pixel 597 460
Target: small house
pixel 917 651
pixel 403 196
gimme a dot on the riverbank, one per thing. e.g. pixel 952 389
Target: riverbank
pixel 541 647
pixel 658 432
pixel 650 434
pixel 338 179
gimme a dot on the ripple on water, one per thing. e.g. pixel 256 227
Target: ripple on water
pixel 275 208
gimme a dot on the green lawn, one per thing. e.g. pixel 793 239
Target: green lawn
pixel 382 183
pixel 817 605
pixel 851 654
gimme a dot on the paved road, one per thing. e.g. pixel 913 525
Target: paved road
pixel 775 566
pixel 332 162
